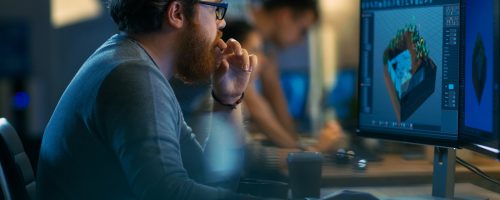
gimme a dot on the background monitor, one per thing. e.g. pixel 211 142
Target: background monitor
pixel 409 70
pixel 479 125
pixel 15 56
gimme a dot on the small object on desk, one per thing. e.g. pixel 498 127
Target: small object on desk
pixel 344 157
pixel 360 165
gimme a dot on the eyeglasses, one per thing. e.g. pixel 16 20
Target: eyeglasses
pixel 220 10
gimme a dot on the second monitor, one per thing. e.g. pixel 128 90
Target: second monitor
pixel 479 127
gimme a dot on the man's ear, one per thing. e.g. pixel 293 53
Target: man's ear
pixel 174 16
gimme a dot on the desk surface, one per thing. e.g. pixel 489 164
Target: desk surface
pixel 396 171
pixel 395 165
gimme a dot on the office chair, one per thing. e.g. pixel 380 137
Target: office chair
pixel 18 173
pixel 4 194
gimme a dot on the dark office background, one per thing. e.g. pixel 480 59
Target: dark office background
pixel 52 56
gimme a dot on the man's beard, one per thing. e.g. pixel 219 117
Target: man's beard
pixel 197 59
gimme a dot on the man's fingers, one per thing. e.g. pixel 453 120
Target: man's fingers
pixel 233 46
pixel 254 61
pixel 221 44
pixel 246 60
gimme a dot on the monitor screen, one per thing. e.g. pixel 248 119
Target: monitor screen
pixel 409 70
pixel 480 92
pixel 15 57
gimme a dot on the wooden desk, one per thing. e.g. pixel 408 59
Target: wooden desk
pixel 393 170
pixel 396 171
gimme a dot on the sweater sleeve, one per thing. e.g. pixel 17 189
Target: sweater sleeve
pixel 137 118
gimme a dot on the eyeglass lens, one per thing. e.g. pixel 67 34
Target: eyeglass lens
pixel 219 13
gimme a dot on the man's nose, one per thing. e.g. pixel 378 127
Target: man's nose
pixel 221 24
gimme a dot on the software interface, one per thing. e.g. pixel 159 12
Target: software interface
pixel 409 70
pixel 481 67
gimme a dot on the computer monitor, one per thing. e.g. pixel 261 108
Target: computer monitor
pixel 409 70
pixel 479 127
pixel 15 59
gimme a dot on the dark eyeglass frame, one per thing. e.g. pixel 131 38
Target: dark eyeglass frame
pixel 220 11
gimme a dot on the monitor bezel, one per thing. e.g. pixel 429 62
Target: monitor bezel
pixel 400 136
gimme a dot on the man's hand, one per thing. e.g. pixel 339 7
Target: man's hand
pixel 233 73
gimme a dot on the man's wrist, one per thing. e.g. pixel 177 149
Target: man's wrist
pixel 228 103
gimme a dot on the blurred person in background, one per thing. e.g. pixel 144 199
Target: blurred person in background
pixel 279 24
pixel 264 159
pixel 118 131
pixel 276 25
pixel 282 24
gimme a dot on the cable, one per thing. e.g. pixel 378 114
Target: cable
pixel 476 170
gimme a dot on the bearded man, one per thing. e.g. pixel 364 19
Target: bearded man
pixel 118 132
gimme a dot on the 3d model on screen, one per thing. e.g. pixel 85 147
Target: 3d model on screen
pixel 409 72
pixel 479 67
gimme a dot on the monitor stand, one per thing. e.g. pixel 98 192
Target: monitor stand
pixel 443 175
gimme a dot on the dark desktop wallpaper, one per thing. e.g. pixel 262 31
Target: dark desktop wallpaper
pixel 479 64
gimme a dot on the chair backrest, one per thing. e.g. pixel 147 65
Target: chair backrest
pixel 15 163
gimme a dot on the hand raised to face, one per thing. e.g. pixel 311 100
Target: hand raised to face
pixel 233 73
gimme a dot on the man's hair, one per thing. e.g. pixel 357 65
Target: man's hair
pixel 144 16
pixel 298 6
pixel 237 30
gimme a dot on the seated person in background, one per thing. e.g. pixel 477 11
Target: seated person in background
pixel 259 158
pixel 118 131
pixel 262 158
pixel 282 24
